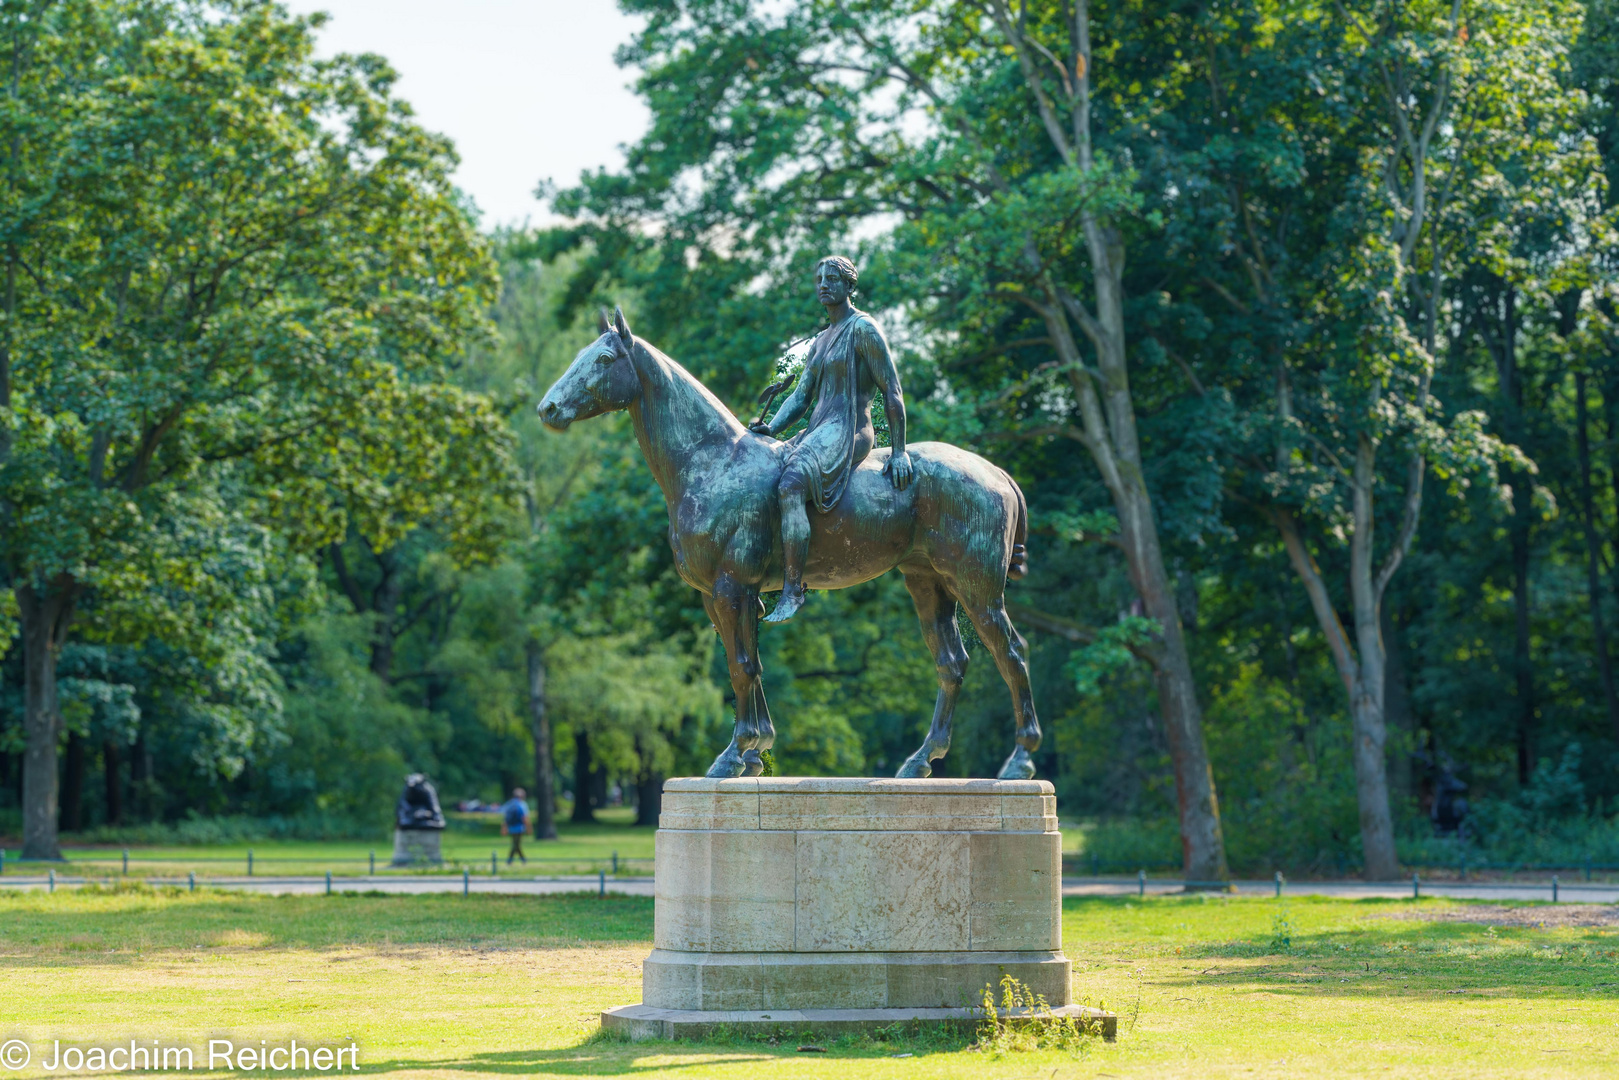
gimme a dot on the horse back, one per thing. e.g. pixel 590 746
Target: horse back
pixel 958 517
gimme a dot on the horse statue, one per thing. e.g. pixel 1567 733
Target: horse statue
pixel 956 533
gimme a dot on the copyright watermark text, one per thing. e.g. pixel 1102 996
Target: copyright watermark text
pixel 154 1055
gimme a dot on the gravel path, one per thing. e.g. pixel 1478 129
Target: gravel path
pixel 1567 892
pixel 1571 892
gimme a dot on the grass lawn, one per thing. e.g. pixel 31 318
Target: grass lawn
pixel 446 986
pixel 469 840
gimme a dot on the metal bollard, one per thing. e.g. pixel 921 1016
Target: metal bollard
pixel 249 862
pixel 615 864
pixel 494 869
pixel 1141 883
pixel 52 886
pixel 328 883
pixel 126 862
pixel 373 862
pixel 192 877
pixel 1278 883
pixel 1416 893
pixel 1554 888
pixel 601 886
pixel 466 881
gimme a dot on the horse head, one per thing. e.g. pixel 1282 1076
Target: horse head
pixel 601 378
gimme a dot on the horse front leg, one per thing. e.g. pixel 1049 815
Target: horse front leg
pixel 735 610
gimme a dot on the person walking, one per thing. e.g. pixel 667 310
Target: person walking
pixel 516 824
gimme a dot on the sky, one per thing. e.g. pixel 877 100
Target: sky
pixel 526 88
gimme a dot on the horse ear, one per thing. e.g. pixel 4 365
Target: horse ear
pixel 602 325
pixel 623 327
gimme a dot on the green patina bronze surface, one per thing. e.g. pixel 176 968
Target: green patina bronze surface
pixel 951 522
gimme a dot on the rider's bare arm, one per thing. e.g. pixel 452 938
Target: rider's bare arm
pixel 793 409
pixel 873 351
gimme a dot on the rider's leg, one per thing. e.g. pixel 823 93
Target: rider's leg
pixel 795 537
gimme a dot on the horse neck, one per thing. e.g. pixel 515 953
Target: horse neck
pixel 682 427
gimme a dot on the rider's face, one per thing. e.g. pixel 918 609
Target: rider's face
pixel 830 288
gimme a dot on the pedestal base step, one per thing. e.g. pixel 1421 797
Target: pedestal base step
pixel 645 1022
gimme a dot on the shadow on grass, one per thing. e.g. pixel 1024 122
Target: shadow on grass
pixel 1352 948
pixel 607 1053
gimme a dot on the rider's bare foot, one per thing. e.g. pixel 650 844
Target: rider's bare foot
pixel 792 598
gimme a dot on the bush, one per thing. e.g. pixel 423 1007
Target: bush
pixel 236 829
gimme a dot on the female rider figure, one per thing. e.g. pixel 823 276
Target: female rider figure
pixel 848 364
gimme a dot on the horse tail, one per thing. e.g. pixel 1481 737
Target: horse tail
pixel 1018 566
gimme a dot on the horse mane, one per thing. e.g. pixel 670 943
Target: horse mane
pixel 685 385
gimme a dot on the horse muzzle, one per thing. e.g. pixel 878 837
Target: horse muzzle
pixel 554 416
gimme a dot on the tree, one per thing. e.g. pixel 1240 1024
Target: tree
pixel 258 282
pixel 803 122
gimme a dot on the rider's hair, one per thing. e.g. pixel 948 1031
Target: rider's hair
pixel 845 270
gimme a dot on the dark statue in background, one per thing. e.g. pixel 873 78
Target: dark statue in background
pixel 418 806
pixel 951 522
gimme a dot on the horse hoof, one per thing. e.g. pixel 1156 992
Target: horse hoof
pixel 787 605
pixel 1017 767
pixel 727 766
pixel 916 767
pixel 752 763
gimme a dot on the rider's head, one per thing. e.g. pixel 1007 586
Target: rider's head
pixel 835 279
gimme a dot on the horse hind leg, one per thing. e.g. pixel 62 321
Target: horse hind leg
pixel 936 611
pixel 1001 638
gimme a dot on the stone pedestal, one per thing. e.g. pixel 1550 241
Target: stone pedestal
pixel 827 904
pixel 418 847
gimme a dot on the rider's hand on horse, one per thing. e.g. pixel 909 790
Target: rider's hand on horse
pixel 761 427
pixel 899 470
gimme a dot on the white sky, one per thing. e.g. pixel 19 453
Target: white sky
pixel 526 88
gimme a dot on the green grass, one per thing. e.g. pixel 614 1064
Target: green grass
pixel 578 849
pixel 447 986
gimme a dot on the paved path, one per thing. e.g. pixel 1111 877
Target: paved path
pixel 277 886
pixel 1567 892
pixel 1572 892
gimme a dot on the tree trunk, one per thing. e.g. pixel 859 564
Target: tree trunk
pixel 1371 776
pixel 140 775
pixel 110 760
pixel 1366 689
pixel 45 613
pixel 1202 840
pixel 1593 556
pixel 545 827
pixel 1397 713
pixel 72 811
pixel 648 798
pixel 385 609
pixel 1610 415
pixel 1522 661
pixel 1361 663
pixel 583 780
pixel 1108 426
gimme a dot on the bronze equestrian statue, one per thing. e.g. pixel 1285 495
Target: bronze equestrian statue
pixel 951 522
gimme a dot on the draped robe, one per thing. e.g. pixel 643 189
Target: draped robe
pixel 840 432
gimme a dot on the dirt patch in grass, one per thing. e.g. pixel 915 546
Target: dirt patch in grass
pixel 1549 916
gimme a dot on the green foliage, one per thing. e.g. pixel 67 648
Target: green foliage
pixel 1022 1021
pixel 270 405
pixel 1114 648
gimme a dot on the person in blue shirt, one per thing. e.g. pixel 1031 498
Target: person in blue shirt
pixel 515 814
